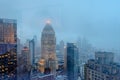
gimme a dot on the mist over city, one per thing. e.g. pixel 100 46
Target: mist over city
pixel 49 32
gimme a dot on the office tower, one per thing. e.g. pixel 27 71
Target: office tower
pixel 102 67
pixel 62 47
pixel 26 57
pixel 8 31
pixel 36 45
pixel 48 45
pixel 61 51
pixel 60 54
pixel 32 51
pixel 72 61
pixel 65 58
pixel 24 64
pixel 18 46
pixel 8 49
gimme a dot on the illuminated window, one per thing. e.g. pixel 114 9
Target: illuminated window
pixel 2 66
pixel 6 68
pixel 2 70
pixel 2 56
pixel 6 55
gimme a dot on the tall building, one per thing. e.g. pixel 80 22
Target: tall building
pixel 72 61
pixel 62 47
pixel 65 58
pixel 18 46
pixel 48 47
pixel 32 51
pixel 26 57
pixel 8 31
pixel 36 45
pixel 102 67
pixel 60 54
pixel 8 49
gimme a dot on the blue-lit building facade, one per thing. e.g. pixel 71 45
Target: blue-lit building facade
pixel 8 49
pixel 72 61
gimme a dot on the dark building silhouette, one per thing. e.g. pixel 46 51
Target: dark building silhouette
pixel 72 61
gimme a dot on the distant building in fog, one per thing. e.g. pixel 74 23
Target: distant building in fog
pixel 36 45
pixel 102 68
pixel 104 57
pixel 65 58
pixel 72 61
pixel 18 46
pixel 62 47
pixel 60 54
pixel 32 51
pixel 86 52
pixel 26 57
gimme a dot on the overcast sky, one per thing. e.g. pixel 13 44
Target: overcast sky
pixel 96 20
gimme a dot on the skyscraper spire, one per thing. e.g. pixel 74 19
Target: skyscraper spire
pixel 48 21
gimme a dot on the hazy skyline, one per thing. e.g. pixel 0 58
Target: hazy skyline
pixel 96 20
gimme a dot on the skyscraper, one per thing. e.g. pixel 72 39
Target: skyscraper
pixel 60 54
pixel 36 45
pixel 25 64
pixel 8 31
pixel 72 61
pixel 48 45
pixel 26 56
pixel 32 51
pixel 65 58
pixel 62 50
pixel 18 46
pixel 8 49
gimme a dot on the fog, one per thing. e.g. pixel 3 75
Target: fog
pixel 96 20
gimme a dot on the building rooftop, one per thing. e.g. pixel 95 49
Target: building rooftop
pixel 3 20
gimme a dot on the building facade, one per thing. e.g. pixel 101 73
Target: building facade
pixel 8 31
pixel 72 61
pixel 48 47
pixel 102 68
pixel 26 57
pixel 8 49
pixel 32 51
